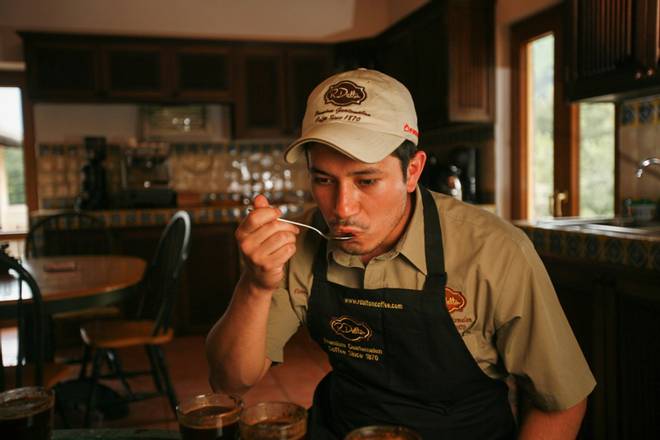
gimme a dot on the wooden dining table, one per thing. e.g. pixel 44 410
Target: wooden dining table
pixel 77 282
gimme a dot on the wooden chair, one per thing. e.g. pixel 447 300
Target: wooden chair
pixel 69 233
pixel 151 325
pixel 29 370
pixel 72 233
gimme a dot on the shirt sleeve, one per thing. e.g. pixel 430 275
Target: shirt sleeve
pixel 283 322
pixel 534 337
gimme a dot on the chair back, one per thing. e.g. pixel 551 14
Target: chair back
pixel 160 282
pixel 26 312
pixel 69 233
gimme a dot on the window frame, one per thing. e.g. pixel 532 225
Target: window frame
pixel 17 78
pixel 566 122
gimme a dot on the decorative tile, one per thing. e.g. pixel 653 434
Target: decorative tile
pixel 646 111
pixel 628 113
pixel 555 242
pixel 613 250
pixel 538 238
pixel 573 248
pixel 592 247
pixel 637 255
pixel 655 256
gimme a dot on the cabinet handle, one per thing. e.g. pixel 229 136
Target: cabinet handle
pixel 650 71
pixel 639 74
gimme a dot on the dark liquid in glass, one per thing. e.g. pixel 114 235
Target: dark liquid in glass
pixel 211 431
pixel 37 425
pixel 272 433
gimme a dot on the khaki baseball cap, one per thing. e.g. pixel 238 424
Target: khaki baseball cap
pixel 362 113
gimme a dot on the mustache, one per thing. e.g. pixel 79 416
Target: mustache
pixel 348 222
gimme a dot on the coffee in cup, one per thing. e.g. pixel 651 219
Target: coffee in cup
pixel 212 416
pixel 26 413
pixel 382 432
pixel 273 421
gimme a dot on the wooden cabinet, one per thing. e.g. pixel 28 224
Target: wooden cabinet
pixel 306 67
pixel 59 69
pixel 613 312
pixel 444 54
pixel 261 110
pixel 614 48
pixel 203 72
pixel 274 83
pixel 67 67
pixel 134 71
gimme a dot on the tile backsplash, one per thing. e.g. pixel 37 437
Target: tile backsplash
pixel 239 169
pixel 639 139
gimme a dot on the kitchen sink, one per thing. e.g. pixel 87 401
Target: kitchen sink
pixel 605 225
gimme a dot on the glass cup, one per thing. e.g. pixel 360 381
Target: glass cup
pixel 273 421
pixel 382 432
pixel 212 416
pixel 26 413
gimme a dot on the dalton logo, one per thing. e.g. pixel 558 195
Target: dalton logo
pixel 345 93
pixel 454 299
pixel 350 329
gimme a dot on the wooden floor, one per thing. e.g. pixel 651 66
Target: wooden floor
pixel 305 364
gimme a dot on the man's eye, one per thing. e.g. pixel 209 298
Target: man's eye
pixel 368 182
pixel 318 180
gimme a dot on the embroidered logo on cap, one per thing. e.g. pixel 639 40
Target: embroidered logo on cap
pixel 454 299
pixel 407 128
pixel 345 93
pixel 350 329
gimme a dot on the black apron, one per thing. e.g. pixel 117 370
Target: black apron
pixel 398 359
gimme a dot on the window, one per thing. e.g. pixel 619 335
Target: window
pixel 597 160
pixel 13 209
pixel 562 158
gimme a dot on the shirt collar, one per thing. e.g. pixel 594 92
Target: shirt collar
pixel 410 245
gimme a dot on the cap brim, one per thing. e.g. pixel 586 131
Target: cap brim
pixel 358 143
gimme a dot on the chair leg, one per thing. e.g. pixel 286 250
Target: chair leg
pixel 91 399
pixel 83 363
pixel 113 357
pixel 155 369
pixel 171 394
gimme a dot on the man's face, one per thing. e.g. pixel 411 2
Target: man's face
pixel 369 201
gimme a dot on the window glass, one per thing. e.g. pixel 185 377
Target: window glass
pixel 597 159
pixel 13 211
pixel 540 122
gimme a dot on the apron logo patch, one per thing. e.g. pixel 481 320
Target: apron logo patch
pixel 350 329
pixel 454 299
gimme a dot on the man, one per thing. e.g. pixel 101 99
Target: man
pixel 423 312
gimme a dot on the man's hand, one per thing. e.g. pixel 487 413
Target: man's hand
pixel 266 244
pixel 540 425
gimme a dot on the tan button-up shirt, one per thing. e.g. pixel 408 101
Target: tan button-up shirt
pixel 498 294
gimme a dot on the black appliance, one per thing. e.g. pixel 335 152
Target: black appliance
pixel 461 163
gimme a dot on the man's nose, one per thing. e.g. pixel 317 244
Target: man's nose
pixel 346 204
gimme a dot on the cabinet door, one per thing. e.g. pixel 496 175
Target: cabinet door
pixel 614 47
pixel 471 41
pixel 306 68
pixel 260 110
pixel 203 73
pixel 134 71
pixel 212 271
pixel 639 344
pixel 61 71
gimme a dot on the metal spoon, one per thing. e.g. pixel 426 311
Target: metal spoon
pixel 322 234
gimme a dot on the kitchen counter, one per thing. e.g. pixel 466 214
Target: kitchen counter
pixel 199 214
pixel 632 250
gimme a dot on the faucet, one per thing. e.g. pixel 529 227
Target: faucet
pixel 646 163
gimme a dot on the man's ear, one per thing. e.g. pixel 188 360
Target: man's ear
pixel 415 168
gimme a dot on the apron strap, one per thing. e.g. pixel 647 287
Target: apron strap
pixel 435 260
